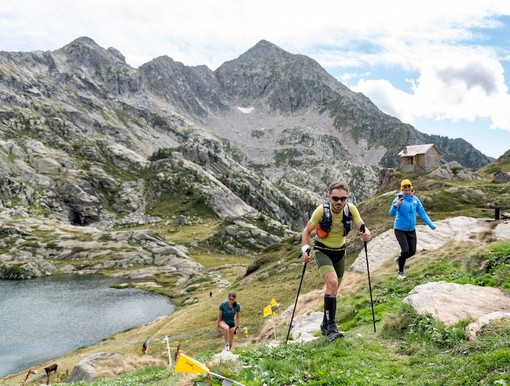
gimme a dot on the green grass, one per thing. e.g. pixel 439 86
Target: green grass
pixel 407 349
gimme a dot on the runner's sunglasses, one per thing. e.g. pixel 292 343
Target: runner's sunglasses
pixel 335 198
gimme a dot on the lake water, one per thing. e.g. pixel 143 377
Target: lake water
pixel 45 318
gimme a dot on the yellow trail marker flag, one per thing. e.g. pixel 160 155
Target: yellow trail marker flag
pixel 185 364
pixel 268 310
pixel 273 302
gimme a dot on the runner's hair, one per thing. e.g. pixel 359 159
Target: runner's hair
pixel 340 184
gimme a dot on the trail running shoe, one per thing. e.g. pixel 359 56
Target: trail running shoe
pixel 333 333
pixel 227 347
pixel 401 276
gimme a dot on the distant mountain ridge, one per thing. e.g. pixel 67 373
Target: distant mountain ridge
pixel 274 82
pixel 262 135
pixel 309 86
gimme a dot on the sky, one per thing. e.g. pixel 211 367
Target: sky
pixel 441 66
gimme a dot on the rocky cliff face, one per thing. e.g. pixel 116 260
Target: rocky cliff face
pixel 87 140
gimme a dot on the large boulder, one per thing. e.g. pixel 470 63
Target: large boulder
pixel 85 370
pixel 451 303
pixel 103 364
pixel 501 177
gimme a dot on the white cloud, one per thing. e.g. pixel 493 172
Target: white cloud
pixel 454 83
pixel 455 74
pixel 173 27
pixel 389 99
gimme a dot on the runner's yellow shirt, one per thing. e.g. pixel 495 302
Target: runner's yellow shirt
pixel 335 238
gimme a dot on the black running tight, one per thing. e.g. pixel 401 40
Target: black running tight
pixel 407 242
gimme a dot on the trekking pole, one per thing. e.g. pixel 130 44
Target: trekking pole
pixel 362 230
pixel 295 304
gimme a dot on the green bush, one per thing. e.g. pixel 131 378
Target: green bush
pixel 14 272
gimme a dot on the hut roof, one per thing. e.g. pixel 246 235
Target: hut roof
pixel 413 150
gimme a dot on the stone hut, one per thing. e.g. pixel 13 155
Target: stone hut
pixel 419 157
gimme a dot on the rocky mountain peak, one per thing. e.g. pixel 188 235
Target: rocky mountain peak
pixel 267 75
pixel 115 52
pixel 84 41
pixel 86 52
pixel 265 49
pixel 193 90
pixel 83 57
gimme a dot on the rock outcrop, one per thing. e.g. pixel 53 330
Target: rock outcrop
pixel 451 303
pixel 104 364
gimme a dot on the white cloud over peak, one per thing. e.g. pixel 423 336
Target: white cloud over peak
pixel 414 60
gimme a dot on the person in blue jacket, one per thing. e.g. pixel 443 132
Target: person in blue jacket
pixel 404 208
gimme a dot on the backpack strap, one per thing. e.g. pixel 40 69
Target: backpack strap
pixel 347 219
pixel 347 211
pixel 327 220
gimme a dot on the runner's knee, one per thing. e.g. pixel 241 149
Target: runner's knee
pixel 331 283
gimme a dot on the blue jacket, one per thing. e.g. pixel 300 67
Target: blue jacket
pixel 405 219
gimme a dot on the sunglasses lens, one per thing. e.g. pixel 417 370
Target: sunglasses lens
pixel 334 198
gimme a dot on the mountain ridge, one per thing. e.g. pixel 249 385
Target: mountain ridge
pixel 266 131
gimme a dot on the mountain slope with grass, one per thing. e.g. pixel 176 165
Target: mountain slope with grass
pixel 408 348
pixel 198 182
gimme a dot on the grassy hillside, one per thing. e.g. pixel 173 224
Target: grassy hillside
pixel 407 349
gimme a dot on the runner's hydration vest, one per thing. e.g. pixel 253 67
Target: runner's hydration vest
pixel 322 229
